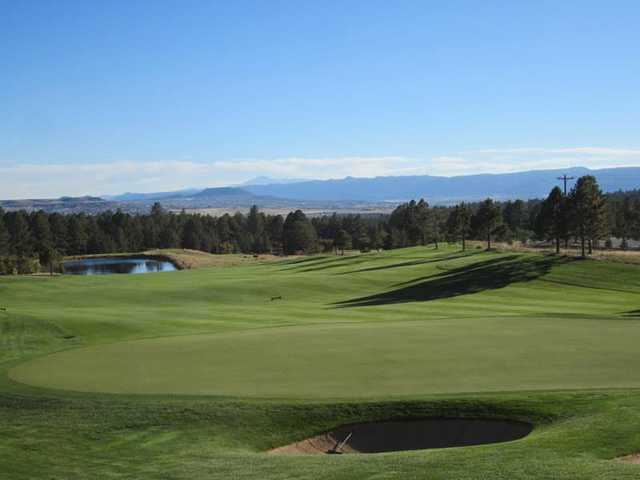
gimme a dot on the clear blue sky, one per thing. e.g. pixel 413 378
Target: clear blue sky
pixel 101 97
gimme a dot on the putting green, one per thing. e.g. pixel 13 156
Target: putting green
pixel 357 361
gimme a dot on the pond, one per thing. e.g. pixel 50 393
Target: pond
pixel 109 265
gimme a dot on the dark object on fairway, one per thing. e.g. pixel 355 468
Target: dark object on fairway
pixel 2 309
pixel 276 298
pixel 399 435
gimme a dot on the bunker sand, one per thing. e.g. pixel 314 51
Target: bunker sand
pixel 401 435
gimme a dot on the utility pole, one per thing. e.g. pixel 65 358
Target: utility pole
pixel 564 178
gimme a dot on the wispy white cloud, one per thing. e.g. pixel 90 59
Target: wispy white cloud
pixel 503 160
pixel 31 180
pixel 581 151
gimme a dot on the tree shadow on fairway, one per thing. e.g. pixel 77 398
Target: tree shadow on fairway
pixel 632 314
pixel 332 262
pixel 301 262
pixel 478 277
pixel 411 263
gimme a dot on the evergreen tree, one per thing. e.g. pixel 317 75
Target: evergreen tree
pixel 514 215
pixel 43 239
pixel 157 212
pixel 552 220
pixel 635 227
pixel 412 221
pixel 358 231
pixel 298 234
pixel 169 237
pixel 275 227
pixel 77 235
pixel 626 219
pixel 59 232
pixel 50 258
pixel 459 223
pixel 342 241
pixel 333 225
pixel 225 234
pixel 488 218
pixel 588 208
pixel 150 232
pixel 256 228
pixel 20 233
pixel 192 234
pixel 4 236
pixel 378 237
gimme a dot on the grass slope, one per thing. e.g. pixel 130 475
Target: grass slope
pixel 397 334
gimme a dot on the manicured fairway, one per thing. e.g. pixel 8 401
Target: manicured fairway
pixel 195 374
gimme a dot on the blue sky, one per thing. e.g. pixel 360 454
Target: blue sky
pixel 104 97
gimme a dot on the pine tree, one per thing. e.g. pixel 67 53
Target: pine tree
pixel 77 235
pixel 298 233
pixel 514 215
pixel 635 227
pixel 413 222
pixel 488 218
pixel 626 218
pixel 459 223
pixel 43 239
pixel 274 228
pixel 342 241
pixel 551 222
pixel 21 238
pixel 192 234
pixel 588 208
pixel 378 237
pixel 4 236
pixel 59 232
pixel 256 227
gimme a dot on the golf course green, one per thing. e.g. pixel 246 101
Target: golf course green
pixel 198 373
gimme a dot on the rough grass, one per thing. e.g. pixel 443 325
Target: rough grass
pixel 393 335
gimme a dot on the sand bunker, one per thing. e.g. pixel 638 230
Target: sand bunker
pixel 391 436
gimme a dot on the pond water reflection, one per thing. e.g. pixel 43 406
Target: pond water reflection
pixel 105 266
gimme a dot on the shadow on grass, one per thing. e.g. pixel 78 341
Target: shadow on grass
pixel 411 263
pixel 632 314
pixel 331 262
pixel 478 277
pixel 297 262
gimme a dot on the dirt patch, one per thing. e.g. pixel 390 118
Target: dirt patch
pixel 634 458
pixel 400 435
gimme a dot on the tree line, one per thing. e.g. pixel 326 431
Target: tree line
pixel 32 241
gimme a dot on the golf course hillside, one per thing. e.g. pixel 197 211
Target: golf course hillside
pixel 204 373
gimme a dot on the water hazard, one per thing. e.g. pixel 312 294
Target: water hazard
pixel 107 266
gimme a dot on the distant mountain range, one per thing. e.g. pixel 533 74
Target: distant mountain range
pixel 129 197
pixel 525 185
pixel 345 193
pixel 262 180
